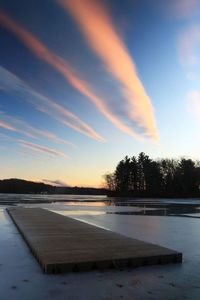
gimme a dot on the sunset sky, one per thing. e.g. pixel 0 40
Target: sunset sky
pixel 85 82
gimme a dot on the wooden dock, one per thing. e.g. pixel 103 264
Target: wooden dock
pixel 63 244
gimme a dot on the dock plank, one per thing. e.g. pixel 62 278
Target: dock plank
pixel 63 244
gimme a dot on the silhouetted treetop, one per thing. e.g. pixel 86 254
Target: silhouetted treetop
pixel 143 176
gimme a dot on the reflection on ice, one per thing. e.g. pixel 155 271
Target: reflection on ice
pixel 79 212
pixel 96 205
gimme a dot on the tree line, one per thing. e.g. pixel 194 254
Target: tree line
pixel 144 177
pixel 20 186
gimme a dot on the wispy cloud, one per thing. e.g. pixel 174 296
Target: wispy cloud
pixel 194 103
pixel 53 137
pixel 40 148
pixel 33 146
pixel 7 126
pixel 22 127
pixel 31 155
pixel 192 75
pixel 189 45
pixel 57 182
pixel 10 82
pixel 5 137
pixel 99 31
pixel 182 8
pixel 140 110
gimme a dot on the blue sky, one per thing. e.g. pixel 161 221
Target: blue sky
pixel 84 83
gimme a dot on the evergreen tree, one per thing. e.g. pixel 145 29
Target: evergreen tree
pixel 143 176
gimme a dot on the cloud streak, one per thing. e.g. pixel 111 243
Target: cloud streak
pixel 194 103
pixel 182 8
pixel 13 124
pixel 7 126
pixel 138 113
pixel 98 29
pixel 57 182
pixel 33 146
pixel 10 82
pixel 188 45
pixel 42 149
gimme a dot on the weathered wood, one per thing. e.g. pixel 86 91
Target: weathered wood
pixel 63 244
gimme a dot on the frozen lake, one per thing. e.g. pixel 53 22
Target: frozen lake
pixel 80 204
pixel 21 276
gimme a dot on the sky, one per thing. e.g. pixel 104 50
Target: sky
pixel 83 83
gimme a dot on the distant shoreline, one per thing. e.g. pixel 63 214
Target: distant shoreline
pixel 20 186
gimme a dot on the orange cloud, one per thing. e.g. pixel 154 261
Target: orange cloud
pixel 63 67
pixel 43 53
pixel 97 27
pixel 84 88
